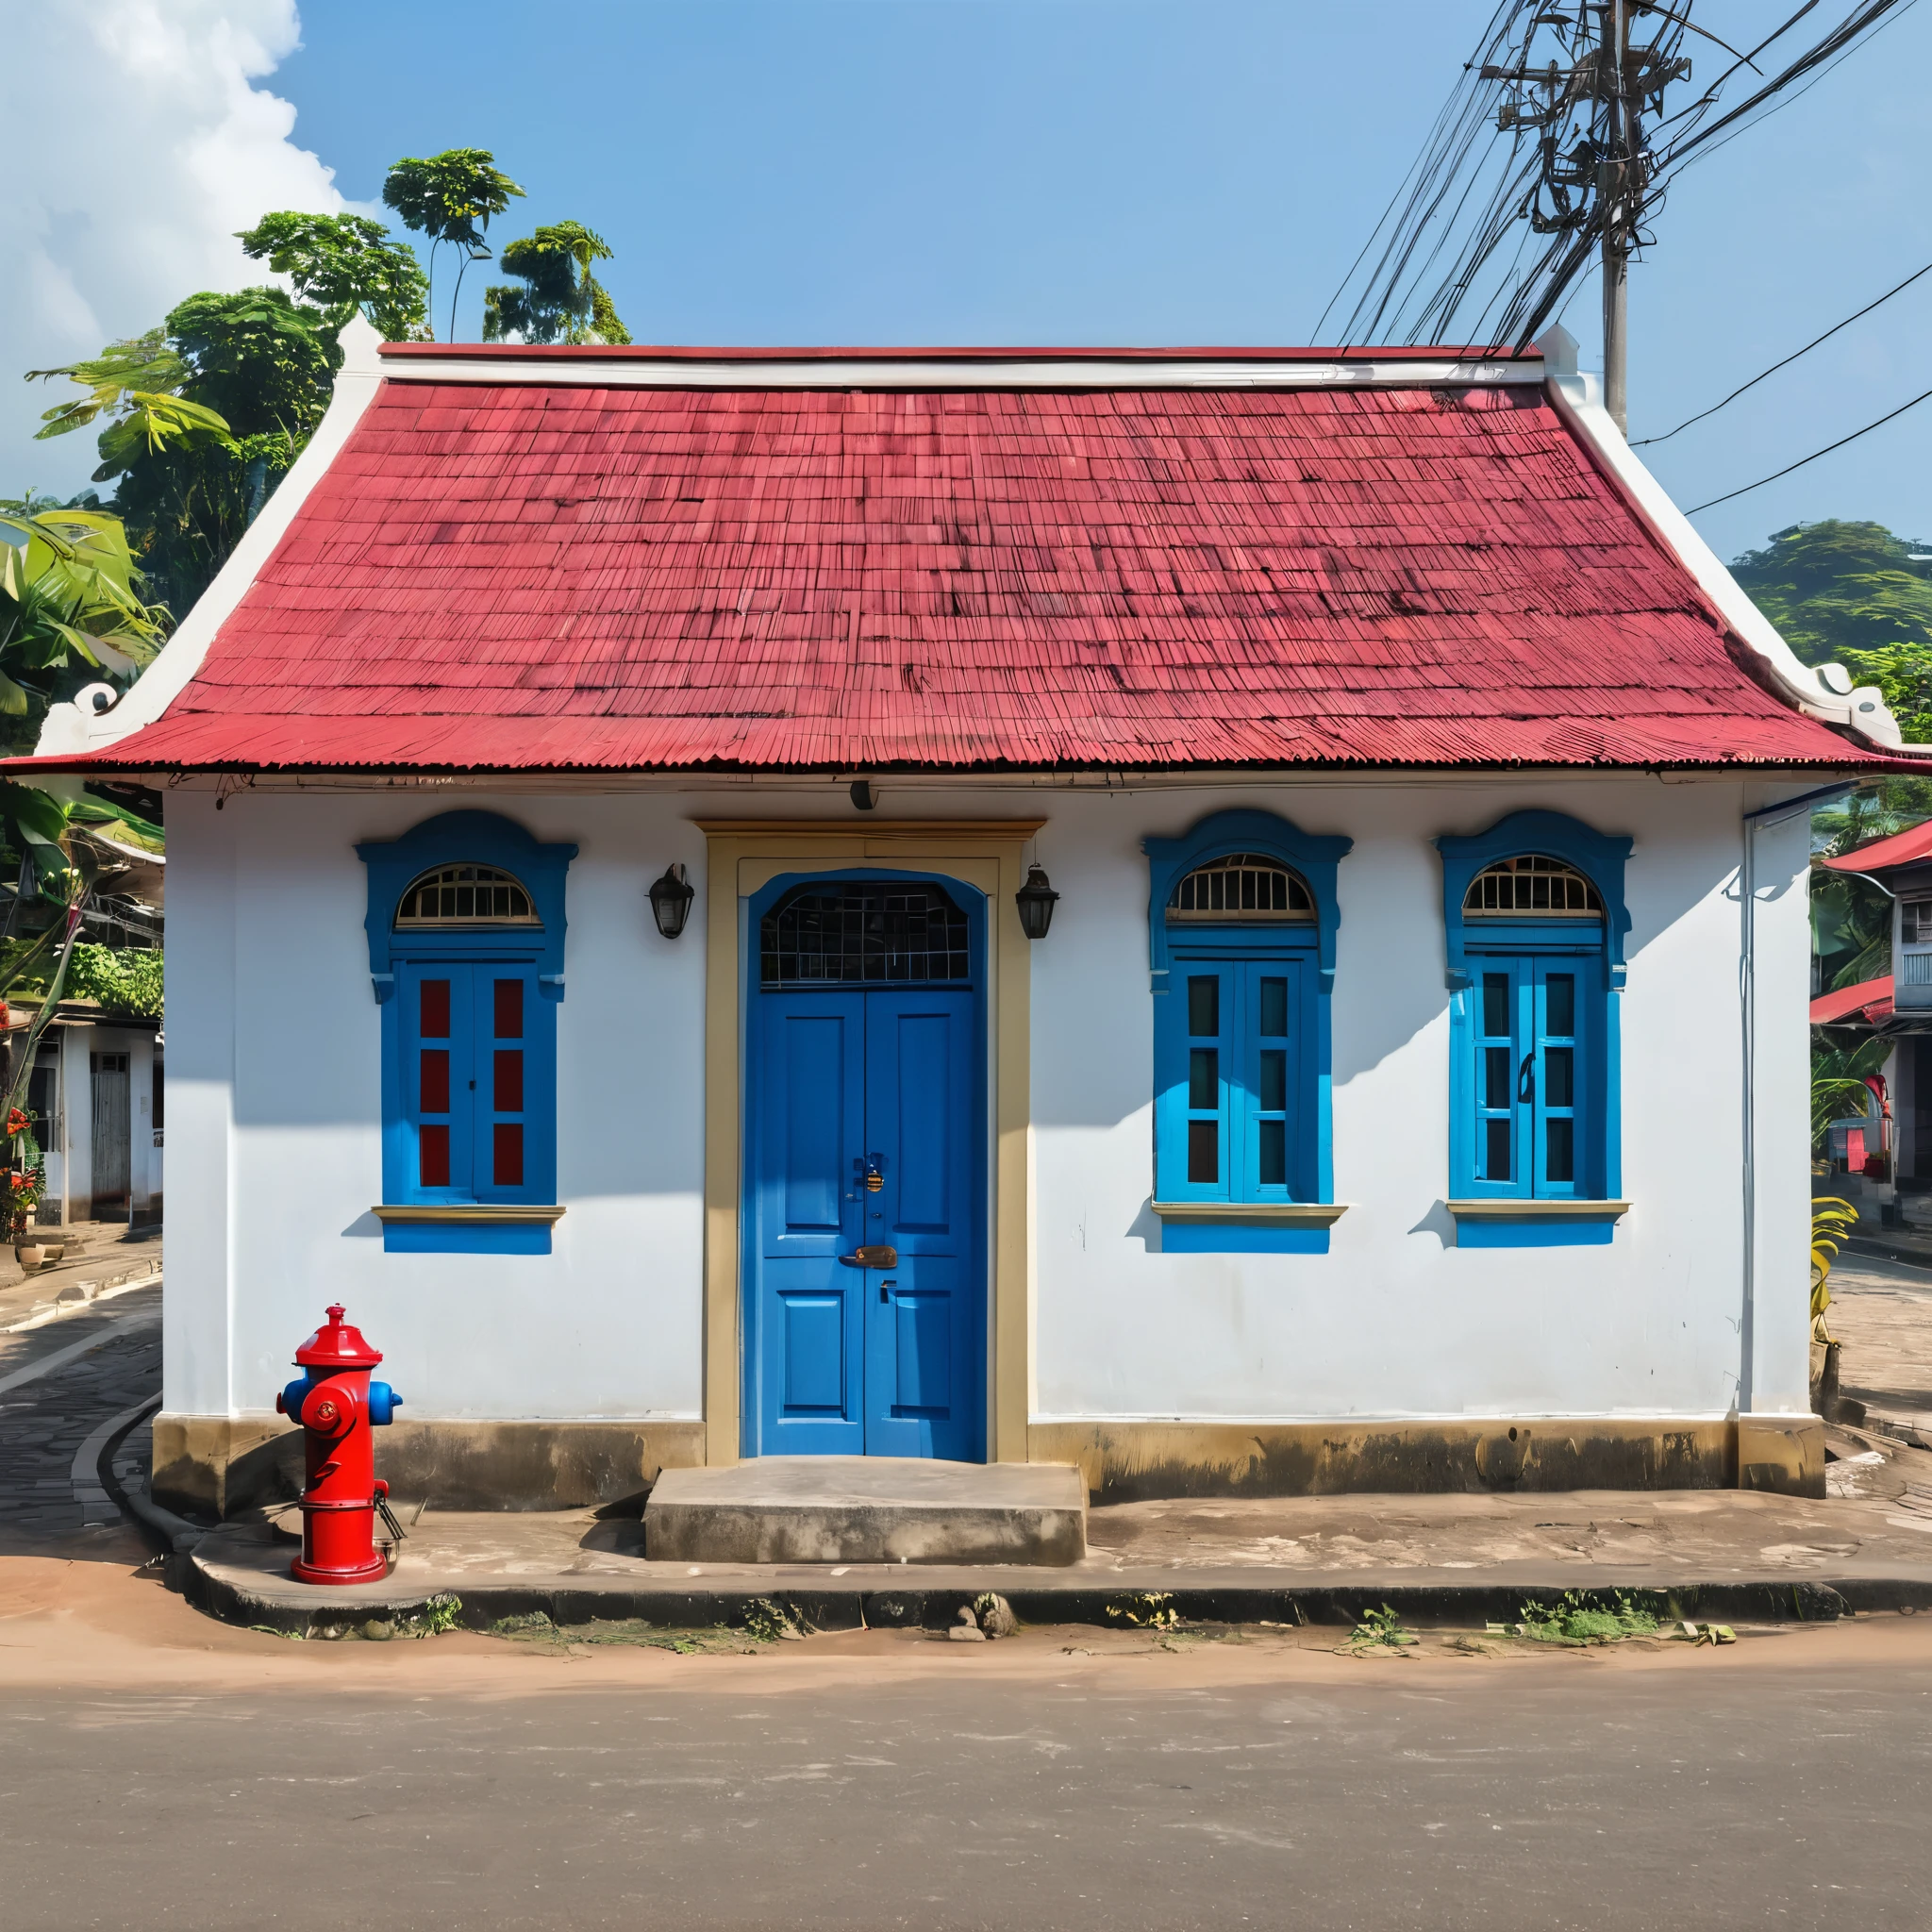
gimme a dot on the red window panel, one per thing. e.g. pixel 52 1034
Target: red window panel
pixel 434 1080
pixel 435 1010
pixel 508 1097
pixel 509 1009
pixel 432 1145
pixel 508 1154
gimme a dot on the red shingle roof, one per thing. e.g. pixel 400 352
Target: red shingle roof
pixel 515 575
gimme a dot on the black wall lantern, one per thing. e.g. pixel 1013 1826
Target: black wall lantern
pixel 671 898
pixel 1036 900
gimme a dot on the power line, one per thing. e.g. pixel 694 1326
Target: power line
pixel 1832 330
pixel 1812 458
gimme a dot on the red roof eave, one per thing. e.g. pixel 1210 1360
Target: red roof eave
pixel 1871 1001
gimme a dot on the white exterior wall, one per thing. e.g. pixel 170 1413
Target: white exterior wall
pixel 275 1042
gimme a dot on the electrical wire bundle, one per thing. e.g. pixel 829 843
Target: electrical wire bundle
pixel 1440 265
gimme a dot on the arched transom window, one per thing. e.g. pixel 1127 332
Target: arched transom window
pixel 1244 889
pixel 1534 885
pixel 456 896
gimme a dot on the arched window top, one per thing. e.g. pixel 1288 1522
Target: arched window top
pixel 1531 885
pixel 452 896
pixel 1244 889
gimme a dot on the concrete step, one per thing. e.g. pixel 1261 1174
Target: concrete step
pixel 868 1509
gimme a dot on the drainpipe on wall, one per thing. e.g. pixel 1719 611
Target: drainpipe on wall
pixel 1755 821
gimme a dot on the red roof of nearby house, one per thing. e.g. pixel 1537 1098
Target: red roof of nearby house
pixel 1902 848
pixel 1869 1001
pixel 516 576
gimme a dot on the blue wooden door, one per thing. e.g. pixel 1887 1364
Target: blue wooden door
pixel 924 1323
pixel 845 1356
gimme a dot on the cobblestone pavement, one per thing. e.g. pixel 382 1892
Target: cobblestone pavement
pixel 45 1422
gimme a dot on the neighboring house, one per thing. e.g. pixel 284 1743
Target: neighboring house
pixel 1410 1091
pixel 1898 1006
pixel 98 1085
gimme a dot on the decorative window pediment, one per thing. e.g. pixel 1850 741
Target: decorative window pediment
pixel 1531 885
pixel 465 895
pixel 1244 889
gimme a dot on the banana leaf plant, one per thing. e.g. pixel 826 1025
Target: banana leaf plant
pixel 1832 1218
pixel 72 591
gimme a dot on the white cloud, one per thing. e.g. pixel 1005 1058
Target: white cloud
pixel 137 143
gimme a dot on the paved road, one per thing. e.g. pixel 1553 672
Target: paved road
pixel 1573 1795
pixel 156 1770
pixel 45 1419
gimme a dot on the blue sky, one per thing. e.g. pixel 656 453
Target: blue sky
pixel 1132 171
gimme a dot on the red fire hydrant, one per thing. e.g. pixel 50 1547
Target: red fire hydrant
pixel 336 1405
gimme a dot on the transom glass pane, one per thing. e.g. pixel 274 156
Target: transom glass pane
pixel 466 895
pixel 863 932
pixel 1244 889
pixel 1531 884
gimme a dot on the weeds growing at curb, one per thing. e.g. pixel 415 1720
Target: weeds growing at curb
pixel 769 1621
pixel 1144 1609
pixel 1381 1630
pixel 1585 1617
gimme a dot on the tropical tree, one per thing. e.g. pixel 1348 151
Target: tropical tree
pixel 204 416
pixel 450 197
pixel 560 299
pixel 70 603
pixel 341 263
pixel 1833 587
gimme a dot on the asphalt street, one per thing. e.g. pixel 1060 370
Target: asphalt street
pixel 159 1769
pixel 1046 1795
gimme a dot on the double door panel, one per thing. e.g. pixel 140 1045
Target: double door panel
pixel 867 1289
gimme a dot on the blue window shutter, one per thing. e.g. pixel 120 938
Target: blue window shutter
pixel 1197 1131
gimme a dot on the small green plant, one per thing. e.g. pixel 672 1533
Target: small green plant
pixel 1831 1221
pixel 770 1623
pixel 1586 1617
pixel 1144 1609
pixel 1382 1630
pixel 522 1623
pixel 438 1615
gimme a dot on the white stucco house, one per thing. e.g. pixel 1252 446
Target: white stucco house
pixel 1404 1090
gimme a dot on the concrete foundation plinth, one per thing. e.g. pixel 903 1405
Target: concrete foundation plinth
pixel 868 1509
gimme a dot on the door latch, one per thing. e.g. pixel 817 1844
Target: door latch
pixel 872 1170
pixel 877 1256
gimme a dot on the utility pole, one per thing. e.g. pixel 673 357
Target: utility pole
pixel 1619 192
pixel 1590 171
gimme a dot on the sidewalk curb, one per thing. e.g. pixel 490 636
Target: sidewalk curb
pixel 219 1593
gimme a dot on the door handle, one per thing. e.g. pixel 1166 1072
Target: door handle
pixel 886 1288
pixel 875 1257
pixel 1525 1077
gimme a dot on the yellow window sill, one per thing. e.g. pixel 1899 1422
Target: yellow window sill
pixel 1537 1211
pixel 1255 1213
pixel 482 1214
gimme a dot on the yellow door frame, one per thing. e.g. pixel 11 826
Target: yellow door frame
pixel 742 855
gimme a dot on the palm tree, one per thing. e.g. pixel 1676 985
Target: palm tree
pixel 450 197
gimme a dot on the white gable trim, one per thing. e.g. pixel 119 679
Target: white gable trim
pixel 939 371
pixel 1578 400
pixel 75 729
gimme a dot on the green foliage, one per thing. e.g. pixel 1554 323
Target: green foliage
pixel 560 299
pixel 125 980
pixel 1381 1630
pixel 1902 672
pixel 236 384
pixel 341 264
pixel 1838 1080
pixel 450 197
pixel 1832 1219
pixel 770 1622
pixel 1833 587
pixel 69 602
pixel 1586 1617
pixel 1143 1609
